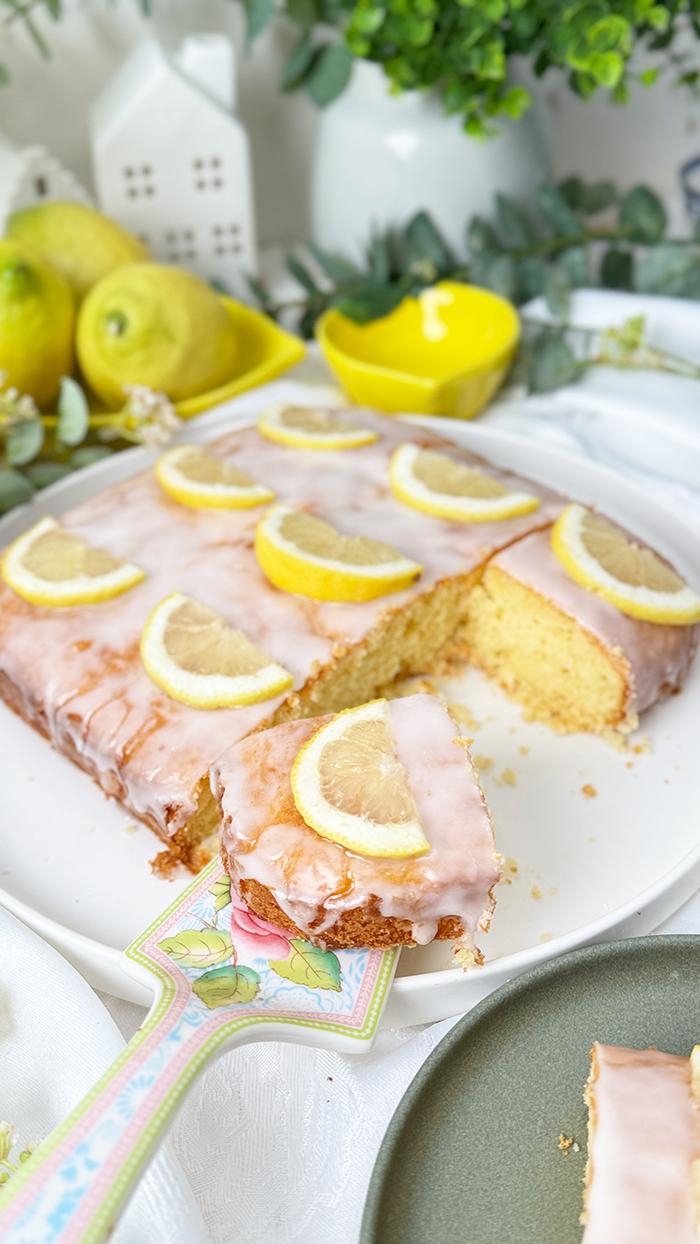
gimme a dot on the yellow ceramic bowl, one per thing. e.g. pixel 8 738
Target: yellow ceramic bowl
pixel 444 356
pixel 264 351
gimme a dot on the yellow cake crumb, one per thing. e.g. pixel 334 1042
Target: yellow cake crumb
pixel 509 870
pixel 509 777
pixel 545 937
pixel 568 1144
pixel 483 762
pixel 524 751
pixel 536 892
pixel 643 746
pixel 130 828
pixel 461 714
pixel 589 791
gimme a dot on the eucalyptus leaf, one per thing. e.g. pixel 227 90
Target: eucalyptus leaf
pixel 379 259
pixel 44 473
pixel 643 215
pixel 668 268
pixel 425 241
pixel 258 15
pixel 553 364
pixel 372 303
pixel 299 64
pixel 329 74
pixel 532 277
pixel 301 274
pixel 73 413
pixel 501 276
pixel 514 228
pixel 616 269
pixel 337 268
pixel 575 262
pixel 88 454
pixel 24 442
pixel 554 206
pixel 597 197
pixel 481 239
pixel 15 489
pixel 557 291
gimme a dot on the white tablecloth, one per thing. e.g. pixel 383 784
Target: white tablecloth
pixel 278 1141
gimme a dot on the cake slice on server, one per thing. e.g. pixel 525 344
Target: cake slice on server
pixel 369 828
pixel 643 1171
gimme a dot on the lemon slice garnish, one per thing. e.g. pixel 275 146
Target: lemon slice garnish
pixel 192 654
pixel 51 566
pixel 305 427
pixel 301 553
pixel 196 478
pixel 437 485
pixel 601 557
pixel 350 787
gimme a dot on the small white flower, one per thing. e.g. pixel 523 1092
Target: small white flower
pixel 149 417
pixel 8 1140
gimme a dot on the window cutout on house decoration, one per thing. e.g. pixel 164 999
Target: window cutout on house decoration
pixel 139 181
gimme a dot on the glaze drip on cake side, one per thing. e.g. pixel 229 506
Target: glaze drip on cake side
pixel 314 881
pixel 645 1135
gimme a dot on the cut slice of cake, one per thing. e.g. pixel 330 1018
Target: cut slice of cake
pixel 643 1171
pixel 573 659
pixel 403 849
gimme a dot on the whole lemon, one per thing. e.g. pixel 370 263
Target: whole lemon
pixel 37 316
pixel 80 242
pixel 154 325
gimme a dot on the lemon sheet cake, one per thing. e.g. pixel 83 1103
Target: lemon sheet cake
pixel 76 674
pixel 389 777
pixel 643 1171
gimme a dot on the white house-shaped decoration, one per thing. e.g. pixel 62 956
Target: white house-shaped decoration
pixel 172 163
pixel 29 176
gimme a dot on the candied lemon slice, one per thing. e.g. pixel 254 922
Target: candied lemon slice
pixel 196 478
pixel 301 553
pixel 307 427
pixel 349 786
pixel 600 556
pixel 437 485
pixel 192 654
pixel 51 566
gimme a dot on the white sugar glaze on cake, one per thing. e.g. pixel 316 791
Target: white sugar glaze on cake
pixel 646 1134
pixel 77 675
pixel 315 881
pixel 658 656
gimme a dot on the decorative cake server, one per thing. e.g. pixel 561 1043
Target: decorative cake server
pixel 222 977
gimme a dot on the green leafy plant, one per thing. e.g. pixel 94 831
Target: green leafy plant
pixel 585 235
pixel 37 450
pixel 462 47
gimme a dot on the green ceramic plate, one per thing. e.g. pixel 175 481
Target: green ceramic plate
pixel 472 1155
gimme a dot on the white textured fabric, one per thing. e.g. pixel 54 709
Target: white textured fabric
pixel 56 1040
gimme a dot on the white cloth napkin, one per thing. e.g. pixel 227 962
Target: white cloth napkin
pixel 55 1042
pixel 279 1141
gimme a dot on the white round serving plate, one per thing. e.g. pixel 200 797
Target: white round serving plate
pixel 591 867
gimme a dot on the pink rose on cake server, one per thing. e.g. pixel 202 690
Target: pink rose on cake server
pixel 253 936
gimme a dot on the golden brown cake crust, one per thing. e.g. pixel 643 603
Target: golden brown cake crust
pixel 363 926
